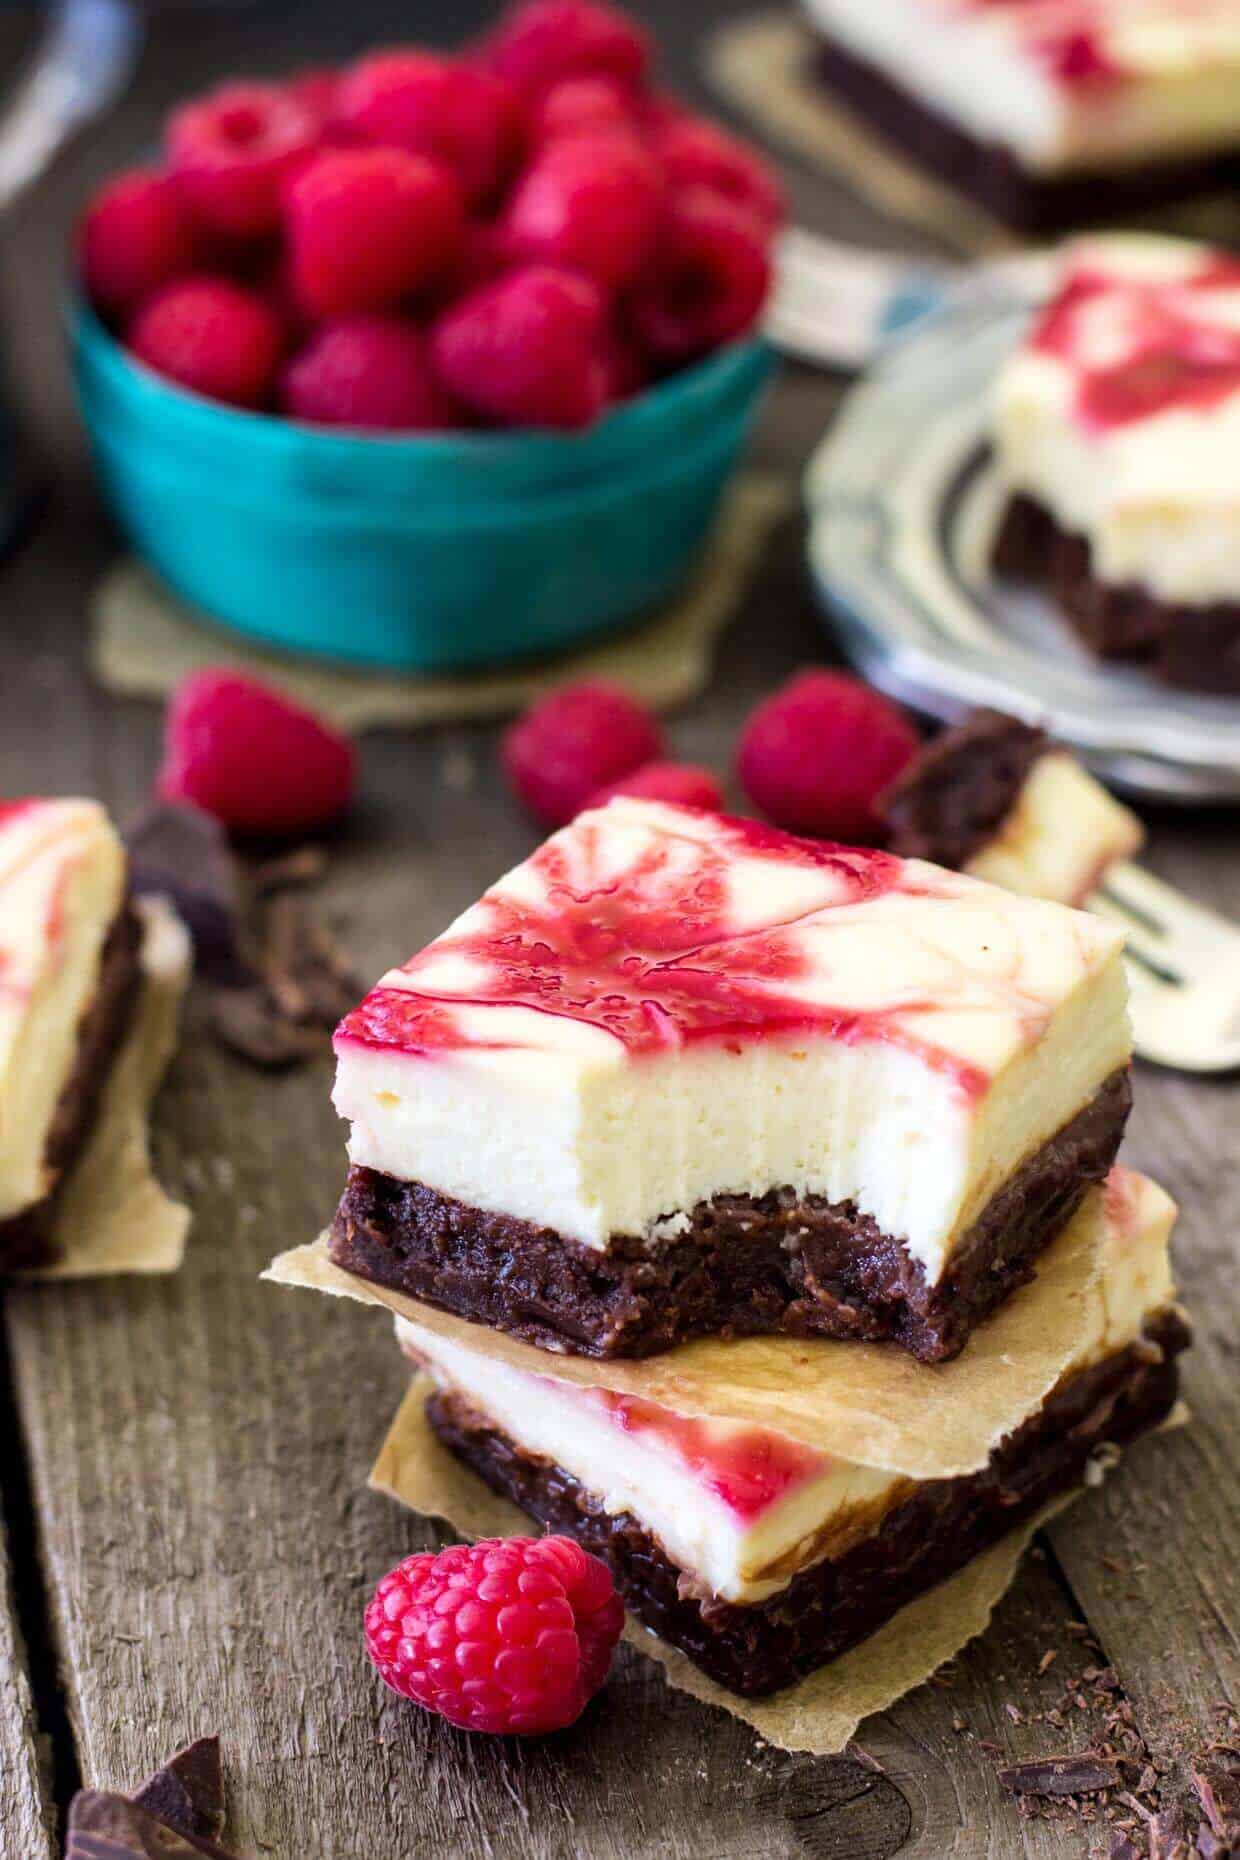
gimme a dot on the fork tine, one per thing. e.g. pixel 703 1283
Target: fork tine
pixel 1144 947
pixel 1188 935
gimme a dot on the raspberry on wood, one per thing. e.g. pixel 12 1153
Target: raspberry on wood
pixel 510 1635
pixel 816 755
pixel 575 741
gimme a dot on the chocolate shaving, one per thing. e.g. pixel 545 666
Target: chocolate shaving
pixel 183 853
pixel 1122 1848
pixel 187 1794
pixel 1083 1774
pixel 1168 1833
pixel 111 1827
pixel 1216 1780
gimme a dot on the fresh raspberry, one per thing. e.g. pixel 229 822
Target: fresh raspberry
pixel 590 203
pixel 573 742
pixel 316 90
pixel 543 41
pixel 247 754
pixel 511 1635
pixel 816 755
pixel 708 282
pixel 686 784
pixel 368 227
pixel 232 152
pixel 625 369
pixel 134 237
pixel 582 106
pixel 213 336
pixel 464 117
pixel 524 351
pixel 367 371
pixel 696 153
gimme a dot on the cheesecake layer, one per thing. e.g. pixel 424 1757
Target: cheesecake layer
pixel 733 1265
pixel 742 1510
pixel 758 1648
pixel 663 1007
pixel 1119 417
pixel 1066 88
pixel 68 970
pixel 995 798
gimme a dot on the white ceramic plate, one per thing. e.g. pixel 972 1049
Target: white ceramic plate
pixel 903 503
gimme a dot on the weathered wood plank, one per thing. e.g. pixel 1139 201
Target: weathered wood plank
pixel 1155 1558
pixel 197 1444
pixel 26 1819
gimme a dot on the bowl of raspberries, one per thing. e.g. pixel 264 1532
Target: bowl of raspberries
pixel 432 361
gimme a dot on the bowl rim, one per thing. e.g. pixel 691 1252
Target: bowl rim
pixel 697 384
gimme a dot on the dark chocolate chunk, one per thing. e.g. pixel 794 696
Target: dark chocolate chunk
pixel 187 1794
pixel 1169 1838
pixel 1083 1774
pixel 103 1826
pixel 1122 1848
pixel 249 1023
pixel 184 853
pixel 1216 1780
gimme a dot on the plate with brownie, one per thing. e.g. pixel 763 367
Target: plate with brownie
pixel 1033 502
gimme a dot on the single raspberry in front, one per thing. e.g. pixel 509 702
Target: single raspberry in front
pixel 232 152
pixel 541 42
pixel 572 743
pixel 685 784
pixel 590 203
pixel 525 350
pixel 371 372
pixel 135 237
pixel 258 762
pixel 815 756
pixel 457 114
pixel 708 282
pixel 511 1635
pixel 213 336
pixel 367 228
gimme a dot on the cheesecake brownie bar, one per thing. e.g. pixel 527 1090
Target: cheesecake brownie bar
pixel 680 1074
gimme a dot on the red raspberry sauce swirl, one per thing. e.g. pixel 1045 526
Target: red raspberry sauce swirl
pixel 651 955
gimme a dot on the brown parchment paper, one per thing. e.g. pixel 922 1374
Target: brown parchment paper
pixel 144 640
pixel 821 1714
pixel 763 66
pixel 870 1403
pixel 112 1216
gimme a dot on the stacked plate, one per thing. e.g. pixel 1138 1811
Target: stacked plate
pixel 903 501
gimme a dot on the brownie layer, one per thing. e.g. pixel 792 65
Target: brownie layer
pixel 1196 648
pixel 25 1238
pixel 938 1528
pixel 990 174
pixel 742 1267
pixel 954 797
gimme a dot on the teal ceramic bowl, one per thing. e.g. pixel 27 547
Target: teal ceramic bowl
pixel 415 553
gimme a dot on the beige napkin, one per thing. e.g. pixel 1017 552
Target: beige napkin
pixel 112 1215
pixel 144 640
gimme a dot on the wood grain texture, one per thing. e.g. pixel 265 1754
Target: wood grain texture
pixel 25 1815
pixel 198 1444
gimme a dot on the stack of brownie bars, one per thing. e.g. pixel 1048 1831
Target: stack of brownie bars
pixel 680 1076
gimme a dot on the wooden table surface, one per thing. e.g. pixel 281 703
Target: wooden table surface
pixel 189 1538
